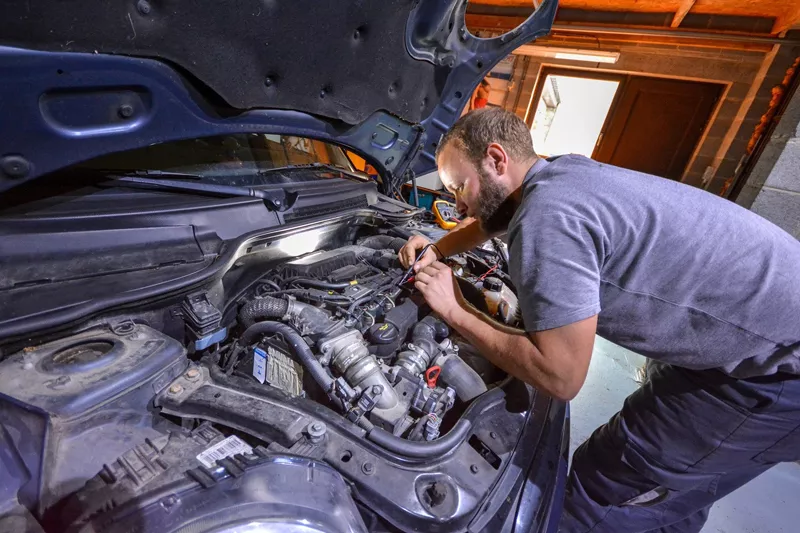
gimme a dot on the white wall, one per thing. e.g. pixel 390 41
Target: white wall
pixel 430 181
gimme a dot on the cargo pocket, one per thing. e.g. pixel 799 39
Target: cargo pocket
pixel 666 482
pixel 648 499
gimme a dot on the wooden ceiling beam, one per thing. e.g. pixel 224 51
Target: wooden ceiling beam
pixel 786 21
pixel 493 22
pixel 683 10
pixel 562 31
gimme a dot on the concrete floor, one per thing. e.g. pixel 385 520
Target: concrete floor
pixel 768 504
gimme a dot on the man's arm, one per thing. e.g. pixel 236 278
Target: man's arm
pixel 464 237
pixel 555 361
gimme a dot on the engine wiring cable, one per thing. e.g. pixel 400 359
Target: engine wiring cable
pixel 409 273
pixel 485 274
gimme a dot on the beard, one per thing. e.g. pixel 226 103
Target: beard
pixel 495 205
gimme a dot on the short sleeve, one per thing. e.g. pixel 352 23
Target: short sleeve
pixel 555 265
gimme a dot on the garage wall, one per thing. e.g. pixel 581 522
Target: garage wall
pixel 748 74
pixel 773 188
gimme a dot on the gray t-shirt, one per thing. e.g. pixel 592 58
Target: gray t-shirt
pixel 675 273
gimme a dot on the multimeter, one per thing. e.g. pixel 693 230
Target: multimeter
pixel 445 213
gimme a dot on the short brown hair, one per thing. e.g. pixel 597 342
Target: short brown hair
pixel 476 130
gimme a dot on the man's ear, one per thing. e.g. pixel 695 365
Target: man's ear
pixel 498 157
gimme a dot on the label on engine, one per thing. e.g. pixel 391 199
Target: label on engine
pixel 225 448
pixel 260 365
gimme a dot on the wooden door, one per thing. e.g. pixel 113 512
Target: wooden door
pixel 656 124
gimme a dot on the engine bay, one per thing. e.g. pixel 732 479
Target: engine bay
pixel 345 328
pixel 331 355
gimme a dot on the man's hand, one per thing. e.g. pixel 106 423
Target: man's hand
pixel 438 285
pixel 409 252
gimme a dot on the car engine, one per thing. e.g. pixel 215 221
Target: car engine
pixel 344 327
pixel 330 355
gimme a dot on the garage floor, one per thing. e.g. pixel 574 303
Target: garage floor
pixel 768 504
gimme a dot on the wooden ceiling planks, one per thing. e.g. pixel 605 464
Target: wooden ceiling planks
pixel 785 12
pixel 651 6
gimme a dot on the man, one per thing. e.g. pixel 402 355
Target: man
pixel 664 269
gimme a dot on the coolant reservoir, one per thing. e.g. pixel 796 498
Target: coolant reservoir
pixel 501 301
pixel 492 288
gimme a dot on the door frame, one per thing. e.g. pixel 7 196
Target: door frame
pixel 548 70
pixel 623 76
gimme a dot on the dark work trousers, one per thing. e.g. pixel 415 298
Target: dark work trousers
pixel 682 441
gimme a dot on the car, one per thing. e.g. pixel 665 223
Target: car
pixel 203 321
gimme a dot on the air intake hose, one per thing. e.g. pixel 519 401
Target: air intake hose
pixel 260 308
pixel 417 358
pixel 461 377
pixel 309 319
pixel 383 242
pixel 297 345
pixel 429 329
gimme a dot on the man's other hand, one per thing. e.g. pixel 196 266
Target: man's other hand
pixel 409 252
pixel 438 285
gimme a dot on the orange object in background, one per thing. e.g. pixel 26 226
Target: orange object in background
pixel 357 161
pixel 481 95
pixel 445 214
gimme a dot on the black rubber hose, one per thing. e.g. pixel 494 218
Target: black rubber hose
pixel 425 335
pixel 360 301
pixel 319 284
pixel 384 242
pixel 296 344
pixel 362 252
pixel 429 328
pixel 421 450
pixel 259 308
pixel 462 378
pixel 272 284
pixel 306 294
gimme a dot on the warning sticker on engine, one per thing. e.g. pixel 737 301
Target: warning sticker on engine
pixel 260 365
pixel 225 448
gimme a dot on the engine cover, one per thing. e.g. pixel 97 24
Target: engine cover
pixel 89 392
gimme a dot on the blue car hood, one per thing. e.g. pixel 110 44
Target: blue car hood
pixel 383 78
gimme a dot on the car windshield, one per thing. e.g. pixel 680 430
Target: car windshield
pixel 225 156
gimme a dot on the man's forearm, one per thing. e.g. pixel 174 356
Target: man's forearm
pixel 512 350
pixel 462 238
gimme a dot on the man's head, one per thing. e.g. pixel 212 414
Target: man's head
pixel 483 160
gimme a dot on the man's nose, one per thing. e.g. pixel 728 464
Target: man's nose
pixel 461 207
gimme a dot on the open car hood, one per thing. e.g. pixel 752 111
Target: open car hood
pixel 383 78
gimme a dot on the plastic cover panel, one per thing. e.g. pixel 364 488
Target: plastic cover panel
pixel 281 494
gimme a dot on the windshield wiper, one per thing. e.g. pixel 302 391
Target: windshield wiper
pixel 275 200
pixel 209 188
pixel 145 173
